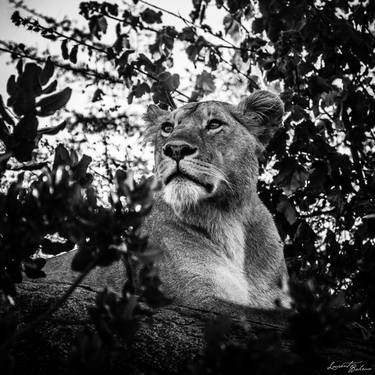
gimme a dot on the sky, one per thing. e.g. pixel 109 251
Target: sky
pixel 61 8
pixel 81 98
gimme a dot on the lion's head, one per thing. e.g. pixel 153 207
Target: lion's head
pixel 208 151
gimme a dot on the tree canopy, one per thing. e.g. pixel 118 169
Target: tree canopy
pixel 317 179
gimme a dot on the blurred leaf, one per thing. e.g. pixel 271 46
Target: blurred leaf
pixel 84 256
pixel 73 54
pixel 50 104
pixel 205 82
pixel 231 27
pixel 103 25
pixel 4 113
pixel 50 88
pixel 33 268
pixel 11 85
pixel 52 130
pixel 287 210
pixel 62 156
pixel 98 95
pixel 64 49
pixel 80 169
pixel 26 128
pixel 55 248
pixel 150 16
pixel 257 25
pixel 47 72
pixel 28 87
pixel 291 176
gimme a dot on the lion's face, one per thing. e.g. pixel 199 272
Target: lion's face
pixel 206 150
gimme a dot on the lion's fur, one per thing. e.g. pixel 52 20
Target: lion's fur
pixel 221 244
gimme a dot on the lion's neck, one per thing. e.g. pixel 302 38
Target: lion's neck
pixel 225 228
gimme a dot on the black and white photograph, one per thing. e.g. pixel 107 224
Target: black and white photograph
pixel 187 187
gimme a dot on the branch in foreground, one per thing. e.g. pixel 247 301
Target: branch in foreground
pixel 44 316
pixel 36 26
pixel 172 340
pixel 82 71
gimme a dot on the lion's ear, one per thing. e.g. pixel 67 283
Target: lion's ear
pixel 151 118
pixel 153 113
pixel 267 110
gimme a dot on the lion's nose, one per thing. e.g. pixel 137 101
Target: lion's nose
pixel 178 150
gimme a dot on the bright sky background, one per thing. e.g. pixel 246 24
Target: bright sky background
pixel 69 8
pixel 81 97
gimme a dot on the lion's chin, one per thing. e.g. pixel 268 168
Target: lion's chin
pixel 181 194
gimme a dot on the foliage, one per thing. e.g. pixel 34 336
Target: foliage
pixel 62 201
pixel 318 55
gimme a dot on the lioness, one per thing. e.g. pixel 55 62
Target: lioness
pixel 218 240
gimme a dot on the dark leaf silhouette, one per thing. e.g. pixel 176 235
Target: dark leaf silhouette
pixel 50 104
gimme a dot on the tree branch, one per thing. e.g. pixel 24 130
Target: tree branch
pixel 30 327
pixel 186 21
pixel 318 213
pixel 84 72
pixel 103 51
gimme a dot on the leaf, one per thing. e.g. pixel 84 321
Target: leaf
pixel 305 238
pixel 54 248
pixel 33 268
pixel 50 104
pixel 150 16
pixel 50 88
pixel 52 130
pixel 205 82
pixel 80 169
pixel 29 166
pixel 98 95
pixel 5 156
pixel 168 81
pixel 338 301
pixel 187 34
pixel 369 217
pixel 291 176
pixel 11 85
pixel 47 72
pixel 123 60
pixel 64 49
pixel 285 207
pixel 231 27
pixel 103 25
pixel 23 101
pixel 84 256
pixel 258 25
pixel 62 156
pixel 19 67
pixel 141 89
pixel 26 128
pixel 73 54
pixel 4 114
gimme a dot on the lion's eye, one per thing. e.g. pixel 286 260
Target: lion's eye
pixel 167 127
pixel 214 124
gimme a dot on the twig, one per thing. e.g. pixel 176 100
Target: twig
pixel 84 72
pixel 186 21
pixel 90 46
pixel 100 174
pixel 28 167
pixel 318 213
pixel 221 58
